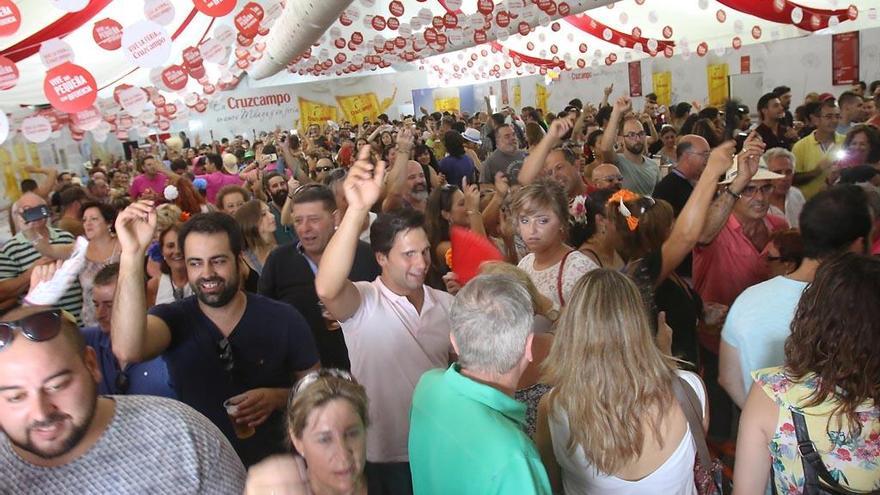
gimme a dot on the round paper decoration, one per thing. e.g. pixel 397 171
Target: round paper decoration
pixel 70 88
pixel 146 44
pixel 8 74
pixel 87 119
pixel 215 8
pixel 175 77
pixel 55 52
pixel 10 18
pixel 132 100
pixel 36 129
pixel 159 11
pixel 107 33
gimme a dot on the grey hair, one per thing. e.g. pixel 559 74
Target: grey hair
pixel 779 152
pixel 491 320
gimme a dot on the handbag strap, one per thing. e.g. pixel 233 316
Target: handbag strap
pixel 559 279
pixel 814 468
pixel 690 406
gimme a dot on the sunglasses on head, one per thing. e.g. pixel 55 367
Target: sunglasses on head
pixel 38 327
pixel 312 377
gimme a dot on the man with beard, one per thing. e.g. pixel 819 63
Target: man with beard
pixel 505 153
pixel 60 436
pixel 640 174
pixel 396 328
pixel 772 130
pixel 406 184
pixel 275 187
pixel 231 355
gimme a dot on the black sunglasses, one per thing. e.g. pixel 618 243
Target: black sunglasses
pixel 324 169
pixel 224 353
pixel 38 327
pixel 122 382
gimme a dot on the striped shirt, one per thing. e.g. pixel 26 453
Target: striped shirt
pixel 18 255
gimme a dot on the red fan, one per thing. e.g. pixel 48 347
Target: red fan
pixel 469 251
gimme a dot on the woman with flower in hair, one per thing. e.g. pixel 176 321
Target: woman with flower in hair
pixel 653 243
pixel 589 229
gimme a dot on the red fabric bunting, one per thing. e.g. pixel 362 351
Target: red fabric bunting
pixel 591 26
pixel 767 11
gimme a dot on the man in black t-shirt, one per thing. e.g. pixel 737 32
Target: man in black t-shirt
pixel 220 345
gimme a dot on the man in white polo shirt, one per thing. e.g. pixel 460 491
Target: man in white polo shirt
pixel 396 328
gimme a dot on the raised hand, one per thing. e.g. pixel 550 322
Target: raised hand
pixel 363 184
pixel 720 159
pixel 609 89
pixel 278 475
pixel 135 226
pixel 405 140
pixel 623 104
pixel 748 160
pixel 560 127
pixel 471 195
pixel 292 185
pixel 502 185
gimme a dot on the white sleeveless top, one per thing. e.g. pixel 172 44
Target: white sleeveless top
pixel 165 291
pixel 673 477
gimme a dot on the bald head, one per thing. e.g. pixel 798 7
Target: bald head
pixel 607 176
pixel 693 153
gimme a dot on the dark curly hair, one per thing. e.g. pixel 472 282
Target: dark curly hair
pixel 834 335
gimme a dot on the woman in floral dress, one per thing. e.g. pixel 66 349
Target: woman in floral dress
pixel 831 379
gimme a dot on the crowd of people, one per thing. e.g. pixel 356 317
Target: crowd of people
pixel 281 313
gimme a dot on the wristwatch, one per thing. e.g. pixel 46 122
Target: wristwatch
pixel 735 195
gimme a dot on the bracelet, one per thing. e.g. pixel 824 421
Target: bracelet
pixel 735 195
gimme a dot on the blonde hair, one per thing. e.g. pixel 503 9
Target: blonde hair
pixel 167 214
pixel 324 389
pixel 541 305
pixel 607 373
pixel 543 193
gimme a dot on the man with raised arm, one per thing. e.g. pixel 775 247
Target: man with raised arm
pixel 640 174
pixel 231 355
pixel 396 328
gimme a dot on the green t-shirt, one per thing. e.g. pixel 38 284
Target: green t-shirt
pixel 467 438
pixel 639 178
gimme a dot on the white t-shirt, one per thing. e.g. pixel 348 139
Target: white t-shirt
pixel 758 324
pixel 576 265
pixel 390 346
pixel 580 477
pixel 794 203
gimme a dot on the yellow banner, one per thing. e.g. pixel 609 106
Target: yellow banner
pixel 452 104
pixel 357 107
pixel 718 85
pixel 10 181
pixel 541 96
pixel 313 112
pixel 35 155
pixel 663 87
pixel 517 96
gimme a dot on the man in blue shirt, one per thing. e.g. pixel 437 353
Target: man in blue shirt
pixel 146 378
pixel 232 356
pixel 466 429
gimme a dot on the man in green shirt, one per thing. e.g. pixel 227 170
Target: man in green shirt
pixel 466 429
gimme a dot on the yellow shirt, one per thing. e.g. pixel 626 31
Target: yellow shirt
pixel 808 153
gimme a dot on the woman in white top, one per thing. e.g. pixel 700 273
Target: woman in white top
pixel 611 423
pixel 172 284
pixel 542 219
pixel 98 219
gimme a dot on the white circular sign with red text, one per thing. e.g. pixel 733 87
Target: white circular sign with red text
pixel 133 100
pixel 159 11
pixel 36 129
pixel 146 44
pixel 55 52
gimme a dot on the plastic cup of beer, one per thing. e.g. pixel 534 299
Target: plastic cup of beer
pixel 242 430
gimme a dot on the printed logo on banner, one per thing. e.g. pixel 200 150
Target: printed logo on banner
pixel 36 129
pixel 10 18
pixel 70 88
pixel 8 74
pixel 107 33
pixel 146 44
pixel 55 52
pixel 133 100
pixel 87 119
